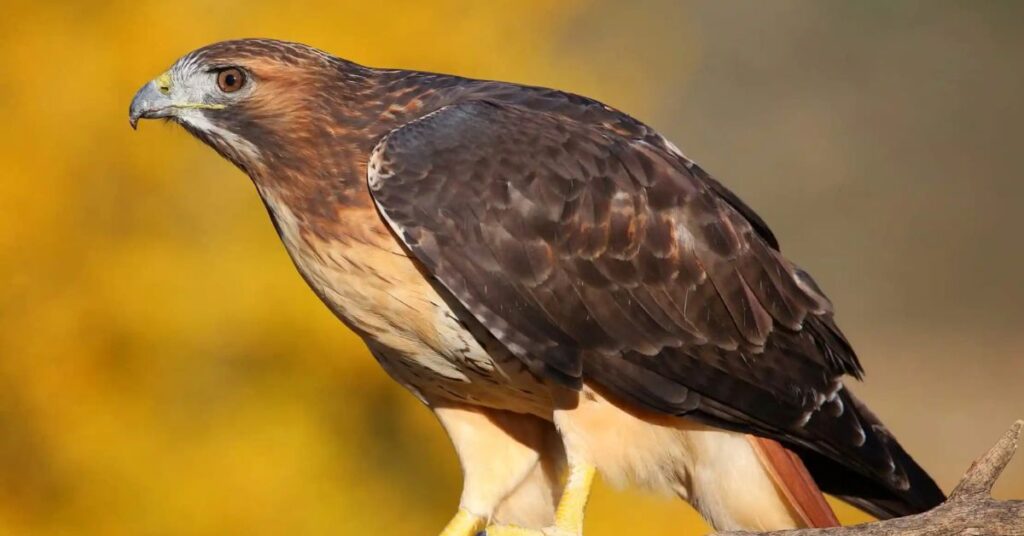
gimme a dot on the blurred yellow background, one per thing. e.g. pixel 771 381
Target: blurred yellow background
pixel 164 370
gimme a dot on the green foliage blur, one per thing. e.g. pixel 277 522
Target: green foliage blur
pixel 164 370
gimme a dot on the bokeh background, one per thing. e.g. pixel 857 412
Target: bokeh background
pixel 164 370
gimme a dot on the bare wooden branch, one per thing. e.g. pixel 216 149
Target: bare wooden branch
pixel 970 509
pixel 985 471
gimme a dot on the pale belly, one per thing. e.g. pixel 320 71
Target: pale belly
pixel 367 280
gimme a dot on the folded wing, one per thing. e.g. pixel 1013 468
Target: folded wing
pixel 594 255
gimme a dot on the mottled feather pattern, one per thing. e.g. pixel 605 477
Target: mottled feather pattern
pixel 609 258
pixel 581 222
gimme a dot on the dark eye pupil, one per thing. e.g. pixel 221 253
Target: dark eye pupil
pixel 230 80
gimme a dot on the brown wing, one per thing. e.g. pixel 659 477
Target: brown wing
pixel 595 255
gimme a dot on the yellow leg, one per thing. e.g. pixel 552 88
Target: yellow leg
pixel 463 524
pixel 569 516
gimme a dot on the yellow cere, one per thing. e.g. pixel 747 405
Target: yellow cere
pixel 163 83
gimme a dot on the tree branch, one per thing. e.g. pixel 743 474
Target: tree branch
pixel 970 509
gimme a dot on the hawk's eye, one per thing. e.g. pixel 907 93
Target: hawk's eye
pixel 230 80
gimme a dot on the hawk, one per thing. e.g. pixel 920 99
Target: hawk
pixel 557 282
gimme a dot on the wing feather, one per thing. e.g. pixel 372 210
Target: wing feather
pixel 596 252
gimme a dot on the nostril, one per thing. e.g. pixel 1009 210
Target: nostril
pixel 163 83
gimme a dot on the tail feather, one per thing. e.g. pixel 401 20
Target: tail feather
pixel 794 482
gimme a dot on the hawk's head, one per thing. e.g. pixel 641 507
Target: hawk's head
pixel 256 101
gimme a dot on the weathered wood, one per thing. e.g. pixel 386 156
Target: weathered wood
pixel 970 509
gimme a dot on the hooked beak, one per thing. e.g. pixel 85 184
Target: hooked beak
pixel 151 101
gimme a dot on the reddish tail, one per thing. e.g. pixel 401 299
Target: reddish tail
pixel 795 483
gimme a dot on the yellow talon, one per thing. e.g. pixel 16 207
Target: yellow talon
pixel 463 524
